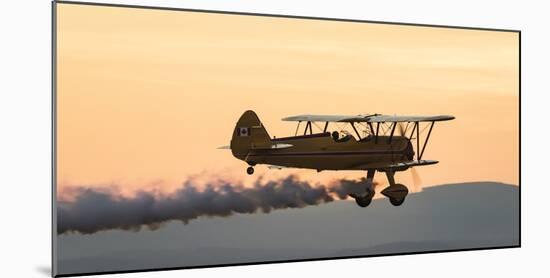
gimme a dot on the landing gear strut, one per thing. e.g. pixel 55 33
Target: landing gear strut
pixel 250 170
pixel 365 199
pixel 396 192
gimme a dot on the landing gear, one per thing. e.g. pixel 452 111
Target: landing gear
pixel 365 199
pixel 250 170
pixel 362 201
pixel 395 192
pixel 397 202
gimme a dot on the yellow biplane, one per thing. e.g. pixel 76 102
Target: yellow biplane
pixel 373 143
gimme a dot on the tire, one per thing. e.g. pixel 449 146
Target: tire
pixel 363 201
pixel 397 202
pixel 250 170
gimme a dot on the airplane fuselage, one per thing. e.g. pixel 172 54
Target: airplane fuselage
pixel 321 152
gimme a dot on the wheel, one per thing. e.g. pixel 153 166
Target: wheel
pixel 396 193
pixel 250 170
pixel 363 201
pixel 397 202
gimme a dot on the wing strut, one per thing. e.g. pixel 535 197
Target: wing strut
pixel 371 128
pixel 417 141
pixel 412 132
pixel 297 127
pixel 376 136
pixel 308 126
pixel 392 131
pixel 426 142
pixel 355 129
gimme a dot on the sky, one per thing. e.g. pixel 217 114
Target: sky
pixel 145 97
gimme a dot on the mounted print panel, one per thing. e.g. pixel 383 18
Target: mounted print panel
pixel 189 138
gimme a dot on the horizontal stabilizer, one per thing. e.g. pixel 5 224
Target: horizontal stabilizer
pixel 224 147
pixel 272 146
pixel 276 167
pixel 281 146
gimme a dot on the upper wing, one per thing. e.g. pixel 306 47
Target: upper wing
pixel 319 118
pixel 373 118
pixel 388 118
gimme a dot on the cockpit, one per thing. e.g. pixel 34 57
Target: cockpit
pixel 339 132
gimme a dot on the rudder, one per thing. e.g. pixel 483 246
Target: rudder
pixel 249 133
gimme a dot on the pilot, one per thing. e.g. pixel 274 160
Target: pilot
pixel 336 137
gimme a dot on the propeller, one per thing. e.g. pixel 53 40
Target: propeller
pixel 417 181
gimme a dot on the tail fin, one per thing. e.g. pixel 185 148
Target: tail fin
pixel 249 133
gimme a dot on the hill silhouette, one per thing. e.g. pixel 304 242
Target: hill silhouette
pixel 453 216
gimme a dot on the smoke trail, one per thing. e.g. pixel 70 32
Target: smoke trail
pixel 93 210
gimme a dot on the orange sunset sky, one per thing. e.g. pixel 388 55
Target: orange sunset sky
pixel 144 97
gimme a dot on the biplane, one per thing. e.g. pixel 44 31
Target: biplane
pixel 370 143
